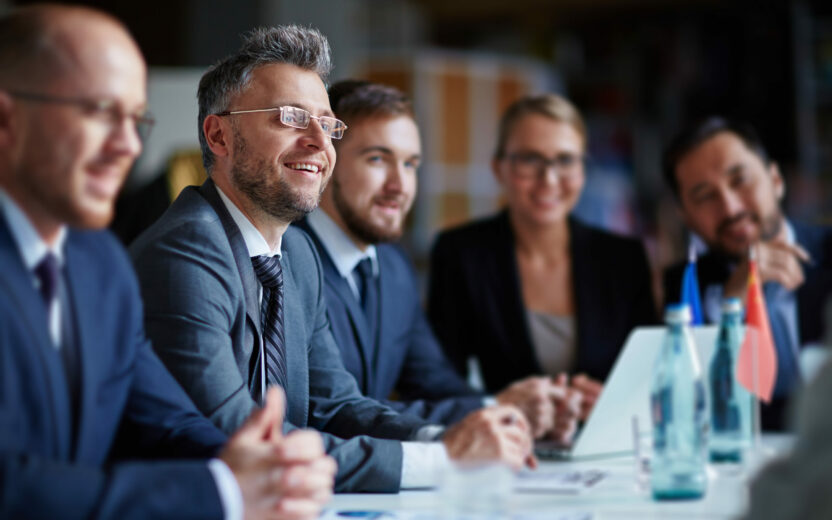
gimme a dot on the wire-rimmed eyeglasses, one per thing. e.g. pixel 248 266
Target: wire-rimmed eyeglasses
pixel 107 111
pixel 298 118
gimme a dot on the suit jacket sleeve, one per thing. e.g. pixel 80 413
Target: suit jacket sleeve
pixel 797 486
pixel 191 332
pixel 429 386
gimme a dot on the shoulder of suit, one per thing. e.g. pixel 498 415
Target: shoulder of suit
pixel 477 233
pixel 607 246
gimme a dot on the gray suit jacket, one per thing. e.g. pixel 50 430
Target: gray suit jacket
pixel 202 314
pixel 797 486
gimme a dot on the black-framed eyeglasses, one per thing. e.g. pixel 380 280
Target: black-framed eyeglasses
pixel 106 111
pixel 298 118
pixel 528 165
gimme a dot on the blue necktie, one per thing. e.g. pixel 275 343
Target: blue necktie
pixel 787 369
pixel 270 274
pixel 368 291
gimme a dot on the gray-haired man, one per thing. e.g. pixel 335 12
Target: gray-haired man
pixel 234 298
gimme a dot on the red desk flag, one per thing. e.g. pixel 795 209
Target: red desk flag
pixel 757 364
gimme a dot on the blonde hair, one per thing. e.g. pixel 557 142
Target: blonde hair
pixel 552 106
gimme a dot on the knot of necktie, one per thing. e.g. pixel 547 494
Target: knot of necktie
pixel 47 272
pixel 268 271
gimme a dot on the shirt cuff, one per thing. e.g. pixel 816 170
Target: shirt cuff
pixel 489 400
pixel 429 433
pixel 231 497
pixel 422 463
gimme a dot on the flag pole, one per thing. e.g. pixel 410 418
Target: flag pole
pixel 756 423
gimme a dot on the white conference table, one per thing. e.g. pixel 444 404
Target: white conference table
pixel 617 496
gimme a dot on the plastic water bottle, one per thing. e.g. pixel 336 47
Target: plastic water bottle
pixel 731 404
pixel 679 412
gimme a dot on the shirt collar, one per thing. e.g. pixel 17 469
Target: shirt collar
pixel 343 251
pixel 255 243
pixel 30 244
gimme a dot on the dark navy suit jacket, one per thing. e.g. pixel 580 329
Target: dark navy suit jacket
pixel 203 315
pixel 403 355
pixel 130 406
pixel 714 269
pixel 476 307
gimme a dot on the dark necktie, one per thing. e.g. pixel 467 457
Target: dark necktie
pixel 787 368
pixel 270 274
pixel 368 292
pixel 49 273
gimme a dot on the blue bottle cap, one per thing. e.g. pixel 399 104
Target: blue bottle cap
pixel 731 305
pixel 677 313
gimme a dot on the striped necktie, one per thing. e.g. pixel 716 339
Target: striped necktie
pixel 270 275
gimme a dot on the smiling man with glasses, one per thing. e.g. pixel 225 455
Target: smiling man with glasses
pixel 91 423
pixel 234 296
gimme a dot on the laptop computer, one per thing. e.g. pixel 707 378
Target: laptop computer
pixel 608 431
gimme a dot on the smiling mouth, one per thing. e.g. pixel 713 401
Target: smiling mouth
pixel 304 167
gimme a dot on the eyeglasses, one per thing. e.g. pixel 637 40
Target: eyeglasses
pixel 529 165
pixel 107 111
pixel 299 118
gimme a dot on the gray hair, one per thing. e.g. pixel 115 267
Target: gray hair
pixel 304 47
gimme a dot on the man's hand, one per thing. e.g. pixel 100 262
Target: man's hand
pixel 777 261
pixel 534 398
pixel 590 390
pixel 497 433
pixel 280 478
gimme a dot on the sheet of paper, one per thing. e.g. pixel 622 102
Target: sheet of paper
pixel 332 514
pixel 557 481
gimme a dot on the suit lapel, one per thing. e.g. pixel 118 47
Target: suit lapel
pixel 506 275
pixel 297 328
pixel 390 311
pixel 339 286
pixel 241 257
pixel 33 313
pixel 82 280
pixel 251 285
pixel 586 300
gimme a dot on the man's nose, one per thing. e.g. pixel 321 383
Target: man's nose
pixel 315 137
pixel 731 203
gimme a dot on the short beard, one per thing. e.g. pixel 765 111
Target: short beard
pixel 261 183
pixel 359 227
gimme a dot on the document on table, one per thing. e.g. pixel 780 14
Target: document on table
pixel 557 481
pixel 424 515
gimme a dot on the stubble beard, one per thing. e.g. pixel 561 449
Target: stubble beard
pixel 262 183
pixel 360 227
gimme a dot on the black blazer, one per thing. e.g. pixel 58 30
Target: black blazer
pixel 714 269
pixel 476 306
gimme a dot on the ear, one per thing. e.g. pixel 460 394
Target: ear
pixel 495 169
pixel 777 181
pixel 218 135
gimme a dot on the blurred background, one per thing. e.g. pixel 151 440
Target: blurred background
pixel 637 69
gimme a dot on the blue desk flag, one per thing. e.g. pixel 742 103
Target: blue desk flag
pixel 690 289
